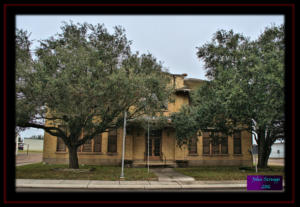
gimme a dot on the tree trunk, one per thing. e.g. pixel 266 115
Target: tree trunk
pixel 73 159
pixel 264 152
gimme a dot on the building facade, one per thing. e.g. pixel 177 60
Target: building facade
pixel 277 150
pixel 160 147
pixel 34 144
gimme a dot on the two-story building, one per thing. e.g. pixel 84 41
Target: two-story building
pixel 106 148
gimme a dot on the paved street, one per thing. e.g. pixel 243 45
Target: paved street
pixel 276 162
pixel 32 157
pixel 271 161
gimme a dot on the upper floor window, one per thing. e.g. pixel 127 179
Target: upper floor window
pixel 165 104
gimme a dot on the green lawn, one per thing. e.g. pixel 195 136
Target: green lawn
pixel 49 171
pixel 227 173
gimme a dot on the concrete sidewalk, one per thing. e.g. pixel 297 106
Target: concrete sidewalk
pixel 96 184
pixel 168 174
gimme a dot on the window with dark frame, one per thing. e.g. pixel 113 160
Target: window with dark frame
pixel 79 149
pixel 224 145
pixel 215 143
pixel 92 145
pixel 98 143
pixel 87 146
pixel 60 145
pixel 215 146
pixel 237 147
pixel 112 141
pixel 193 145
pixel 206 143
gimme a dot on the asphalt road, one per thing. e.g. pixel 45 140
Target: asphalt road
pixel 276 162
pixel 32 157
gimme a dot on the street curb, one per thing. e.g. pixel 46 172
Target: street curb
pixel 146 185
pixel 132 186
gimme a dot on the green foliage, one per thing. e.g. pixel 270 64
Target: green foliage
pixel 82 74
pixel 246 91
pixel 226 50
pixel 155 122
pixel 186 125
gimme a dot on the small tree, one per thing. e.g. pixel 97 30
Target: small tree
pixel 246 91
pixel 82 81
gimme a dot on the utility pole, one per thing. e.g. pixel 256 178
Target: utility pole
pixel 17 144
pixel 123 150
pixel 254 158
pixel 148 146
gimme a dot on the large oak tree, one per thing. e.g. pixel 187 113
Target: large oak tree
pixel 245 91
pixel 83 79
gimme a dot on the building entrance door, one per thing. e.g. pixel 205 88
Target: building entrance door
pixel 154 144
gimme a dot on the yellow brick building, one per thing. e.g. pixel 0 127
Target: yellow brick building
pixel 106 149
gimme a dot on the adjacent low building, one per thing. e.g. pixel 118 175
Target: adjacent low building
pixel 277 150
pixel 106 148
pixel 34 144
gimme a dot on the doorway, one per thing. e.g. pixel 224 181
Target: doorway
pixel 154 144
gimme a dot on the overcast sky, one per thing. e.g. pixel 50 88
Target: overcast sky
pixel 172 39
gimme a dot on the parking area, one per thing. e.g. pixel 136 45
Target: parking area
pixel 271 161
pixel 32 157
pixel 276 161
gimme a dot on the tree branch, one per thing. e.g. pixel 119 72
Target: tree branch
pixel 60 133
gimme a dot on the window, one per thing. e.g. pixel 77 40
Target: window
pixel 92 145
pixel 224 145
pixel 98 143
pixel 215 143
pixel 237 143
pixel 193 145
pixel 206 143
pixel 112 141
pixel 87 146
pixel 60 145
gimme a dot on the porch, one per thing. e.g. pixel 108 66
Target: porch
pixel 158 148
